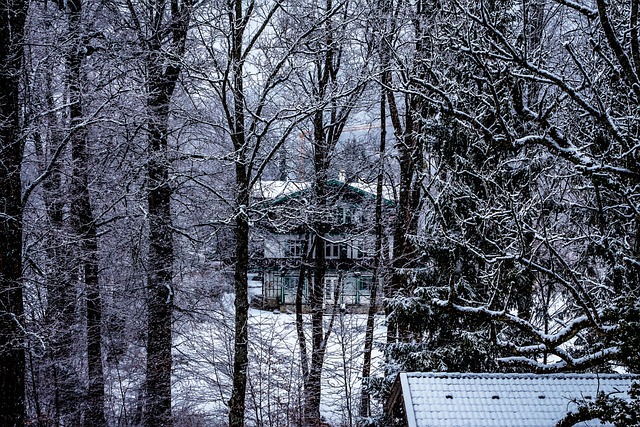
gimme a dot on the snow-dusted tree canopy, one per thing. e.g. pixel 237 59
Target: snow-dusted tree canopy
pixel 498 143
pixel 531 196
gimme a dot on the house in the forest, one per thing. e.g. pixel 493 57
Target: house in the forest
pixel 422 399
pixel 284 241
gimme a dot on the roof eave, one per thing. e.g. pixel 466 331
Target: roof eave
pixel 408 402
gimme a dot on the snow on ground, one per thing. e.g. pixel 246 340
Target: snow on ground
pixel 203 367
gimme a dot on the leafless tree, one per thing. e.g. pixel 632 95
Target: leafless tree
pixel 258 121
pixel 162 35
pixel 12 356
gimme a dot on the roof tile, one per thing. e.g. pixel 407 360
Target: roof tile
pixel 502 400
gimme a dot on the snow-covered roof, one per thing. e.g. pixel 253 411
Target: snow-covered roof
pixel 502 400
pixel 387 190
pixel 274 189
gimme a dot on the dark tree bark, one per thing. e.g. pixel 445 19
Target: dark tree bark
pixel 12 356
pixel 56 367
pixel 248 130
pixel 409 146
pixel 313 384
pixel 160 260
pixel 82 217
pixel 409 150
pixel 328 122
pixel 241 348
pixel 302 277
pixel 238 137
pixel 365 398
pixel 165 48
pixel 323 146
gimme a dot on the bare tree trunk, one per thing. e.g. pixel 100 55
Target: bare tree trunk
pixel 302 339
pixel 161 257
pixel 95 406
pixel 163 66
pixel 246 140
pixel 409 146
pixel 82 218
pixel 328 123
pixel 365 398
pixel 241 345
pixel 60 314
pixel 241 348
pixel 313 384
pixel 403 249
pixel 12 356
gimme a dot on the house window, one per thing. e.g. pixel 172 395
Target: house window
pixel 364 283
pixel 289 282
pixel 330 287
pixel 358 250
pixel 348 216
pixel 345 215
pixel 294 248
pixel 332 249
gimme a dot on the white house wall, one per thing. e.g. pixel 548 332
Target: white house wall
pixel 274 245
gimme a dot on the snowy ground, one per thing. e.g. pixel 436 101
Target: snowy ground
pixel 203 366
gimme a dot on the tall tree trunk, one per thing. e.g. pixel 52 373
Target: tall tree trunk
pixel 403 250
pixel 60 315
pixel 82 218
pixel 160 261
pixel 165 51
pixel 313 383
pixel 241 347
pixel 365 398
pixel 95 406
pixel 247 132
pixel 409 146
pixel 12 356
pixel 241 340
pixel 328 124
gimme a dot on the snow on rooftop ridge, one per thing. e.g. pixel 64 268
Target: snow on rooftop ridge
pixel 269 189
pixel 273 189
pixel 502 400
